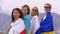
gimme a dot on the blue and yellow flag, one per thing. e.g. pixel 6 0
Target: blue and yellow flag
pixel 47 24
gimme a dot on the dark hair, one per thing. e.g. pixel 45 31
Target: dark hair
pixel 21 15
pixel 27 8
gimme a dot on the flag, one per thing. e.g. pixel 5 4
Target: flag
pixel 46 25
pixel 18 27
pixel 23 32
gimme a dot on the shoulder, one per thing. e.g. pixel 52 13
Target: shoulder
pixel 49 15
pixel 20 20
pixel 35 17
pixel 27 17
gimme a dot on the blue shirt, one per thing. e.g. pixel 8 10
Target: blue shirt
pixel 27 22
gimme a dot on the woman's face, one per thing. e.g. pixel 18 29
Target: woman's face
pixel 47 8
pixel 34 11
pixel 16 14
pixel 24 10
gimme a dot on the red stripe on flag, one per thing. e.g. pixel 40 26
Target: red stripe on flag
pixel 23 32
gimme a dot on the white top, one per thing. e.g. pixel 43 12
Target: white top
pixel 17 27
pixel 35 24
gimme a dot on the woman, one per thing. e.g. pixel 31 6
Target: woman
pixel 35 27
pixel 17 25
pixel 26 12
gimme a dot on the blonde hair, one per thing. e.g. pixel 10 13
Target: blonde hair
pixel 37 12
pixel 48 4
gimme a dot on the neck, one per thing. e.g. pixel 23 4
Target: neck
pixel 47 12
pixel 15 19
pixel 24 15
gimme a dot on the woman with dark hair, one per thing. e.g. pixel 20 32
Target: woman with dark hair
pixel 26 13
pixel 25 10
pixel 17 25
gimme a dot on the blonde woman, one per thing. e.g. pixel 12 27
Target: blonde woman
pixel 35 24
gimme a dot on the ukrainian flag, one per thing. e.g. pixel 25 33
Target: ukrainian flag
pixel 52 32
pixel 47 24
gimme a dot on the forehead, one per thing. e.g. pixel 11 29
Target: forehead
pixel 24 7
pixel 47 5
pixel 35 8
pixel 15 11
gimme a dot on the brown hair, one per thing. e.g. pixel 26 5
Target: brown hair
pixel 27 8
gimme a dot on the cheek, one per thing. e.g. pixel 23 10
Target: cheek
pixel 23 11
pixel 32 11
pixel 35 13
pixel 15 15
pixel 45 9
pixel 26 12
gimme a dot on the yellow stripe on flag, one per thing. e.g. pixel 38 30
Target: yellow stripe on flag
pixel 29 31
pixel 52 32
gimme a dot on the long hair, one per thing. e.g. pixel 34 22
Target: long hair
pixel 27 8
pixel 21 15
pixel 37 12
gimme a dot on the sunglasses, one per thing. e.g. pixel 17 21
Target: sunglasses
pixel 34 10
pixel 47 7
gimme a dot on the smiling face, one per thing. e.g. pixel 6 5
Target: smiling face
pixel 47 8
pixel 16 14
pixel 34 11
pixel 24 11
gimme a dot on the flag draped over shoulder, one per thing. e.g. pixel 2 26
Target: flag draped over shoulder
pixel 18 27
pixel 47 24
